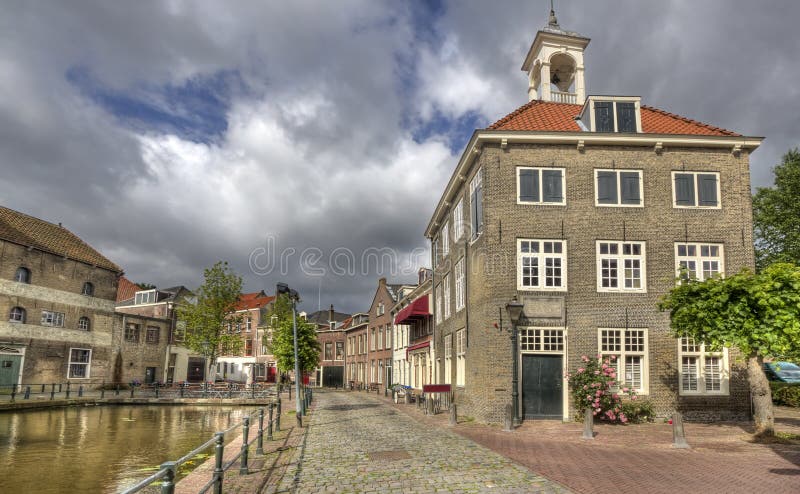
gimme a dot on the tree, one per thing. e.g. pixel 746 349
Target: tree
pixel 776 215
pixel 282 345
pixel 757 313
pixel 207 318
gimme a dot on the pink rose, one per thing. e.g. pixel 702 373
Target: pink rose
pixel 599 393
pixel 633 397
pixel 597 373
pixel 624 390
pixel 613 357
pixel 581 369
pixel 585 358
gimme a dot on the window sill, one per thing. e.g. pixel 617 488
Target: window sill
pixel 607 290
pixel 526 203
pixel 675 206
pixel 598 205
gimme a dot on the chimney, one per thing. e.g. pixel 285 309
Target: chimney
pixel 330 317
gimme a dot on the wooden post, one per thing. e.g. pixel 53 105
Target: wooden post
pixel 678 435
pixel 453 415
pixel 588 424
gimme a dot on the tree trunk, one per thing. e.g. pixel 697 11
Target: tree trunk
pixel 761 396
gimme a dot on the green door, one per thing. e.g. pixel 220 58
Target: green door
pixel 542 387
pixel 9 369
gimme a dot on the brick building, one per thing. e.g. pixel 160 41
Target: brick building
pixel 585 209
pixel 254 362
pixel 413 328
pixel 380 333
pixel 330 332
pixel 57 294
pixel 356 361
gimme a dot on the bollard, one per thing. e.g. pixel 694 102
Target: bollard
pixel 385 392
pixel 168 484
pixel 205 394
pixel 408 397
pixel 310 395
pixel 260 442
pixel 80 391
pixel 219 473
pixel 290 392
pixel 230 390
pixel 59 387
pixel 67 390
pixel 181 390
pixel 156 388
pixel 453 415
pixel 588 424
pixel 13 392
pixel 678 435
pixel 508 418
pixel 278 418
pixel 245 432
pixel 117 393
pixel 269 422
pixel 103 390
pixel 429 405
pixel 299 418
pixel 27 393
pixel 53 391
pixel 133 388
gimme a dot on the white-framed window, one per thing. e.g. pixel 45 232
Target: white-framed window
pixel 51 318
pixel 248 324
pixel 630 349
pixel 540 185
pixel 448 358
pixel 621 266
pixel 541 264
pixel 372 339
pixel 461 354
pixel 445 236
pixel 695 190
pixel 615 116
pixel 460 292
pixel 476 203
pixel 618 188
pixel 703 372
pixel 152 335
pixel 132 332
pixel 699 261
pixel 145 297
pixel 380 338
pixel 458 220
pixel 541 340
pixel 388 340
pixel 84 324
pixel 80 361
pixel 339 355
pixel 439 303
pixel 17 314
pixel 380 310
pixel 446 285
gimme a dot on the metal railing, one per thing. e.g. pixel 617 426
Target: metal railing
pixel 99 389
pixel 168 471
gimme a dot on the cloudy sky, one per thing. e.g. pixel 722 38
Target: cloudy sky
pixel 281 135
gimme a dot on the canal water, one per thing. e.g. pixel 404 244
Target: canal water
pixel 100 448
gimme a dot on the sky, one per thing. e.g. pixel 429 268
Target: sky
pixel 308 142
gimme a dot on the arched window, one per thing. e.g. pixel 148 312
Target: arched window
pixel 17 315
pixel 23 275
pixel 84 324
pixel 88 289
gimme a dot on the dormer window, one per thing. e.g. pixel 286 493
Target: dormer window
pixel 611 114
pixel 145 297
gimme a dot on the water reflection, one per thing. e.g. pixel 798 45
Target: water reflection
pixel 99 449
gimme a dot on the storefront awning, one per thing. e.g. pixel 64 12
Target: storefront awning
pixel 416 309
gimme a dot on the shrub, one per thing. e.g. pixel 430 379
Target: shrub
pixel 787 395
pixel 638 412
pixel 592 387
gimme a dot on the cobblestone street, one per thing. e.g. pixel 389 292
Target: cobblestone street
pixel 359 443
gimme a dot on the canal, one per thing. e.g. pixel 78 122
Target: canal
pixel 100 448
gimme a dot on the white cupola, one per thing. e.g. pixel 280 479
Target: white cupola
pixel 555 64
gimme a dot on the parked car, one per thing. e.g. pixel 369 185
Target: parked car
pixel 787 372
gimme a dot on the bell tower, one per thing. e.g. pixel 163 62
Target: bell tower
pixel 554 64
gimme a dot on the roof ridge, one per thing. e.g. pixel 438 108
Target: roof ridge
pixel 514 114
pixel 690 120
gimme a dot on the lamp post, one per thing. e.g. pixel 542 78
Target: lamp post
pixel 514 309
pixel 283 288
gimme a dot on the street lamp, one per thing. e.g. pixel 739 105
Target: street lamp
pixel 283 288
pixel 514 309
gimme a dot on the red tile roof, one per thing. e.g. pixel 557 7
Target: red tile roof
pixel 22 229
pixel 126 289
pixel 546 116
pixel 256 300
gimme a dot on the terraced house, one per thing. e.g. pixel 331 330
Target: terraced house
pixel 585 208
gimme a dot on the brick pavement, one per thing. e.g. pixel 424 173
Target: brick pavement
pixel 357 442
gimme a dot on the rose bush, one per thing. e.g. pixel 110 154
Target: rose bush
pixel 594 385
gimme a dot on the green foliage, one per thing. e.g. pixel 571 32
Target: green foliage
pixel 776 215
pixel 593 384
pixel 282 346
pixel 638 411
pixel 207 318
pixel 787 396
pixel 756 313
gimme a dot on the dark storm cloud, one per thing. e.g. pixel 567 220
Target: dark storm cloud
pixel 342 123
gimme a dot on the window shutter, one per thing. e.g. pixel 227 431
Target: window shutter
pixel 529 185
pixel 630 188
pixel 607 187
pixel 707 189
pixel 551 180
pixel 626 117
pixel 684 189
pixel 604 116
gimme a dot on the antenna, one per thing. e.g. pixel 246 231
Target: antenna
pixel 319 295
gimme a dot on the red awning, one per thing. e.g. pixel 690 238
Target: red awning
pixel 417 346
pixel 416 309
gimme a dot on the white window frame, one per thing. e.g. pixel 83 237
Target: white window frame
pixel 541 201
pixel 144 297
pixel 460 292
pixel 619 188
pixel 439 312
pixel 698 259
pixel 52 318
pixel 448 358
pixel 458 220
pixel 542 340
pixel 388 338
pixel 701 354
pixel 696 190
pixel 476 230
pixel 20 311
pixel 84 323
pixel 87 365
pixel 542 258
pixel 461 353
pixel 623 351
pixel 621 258
pixel 446 295
pixel 445 236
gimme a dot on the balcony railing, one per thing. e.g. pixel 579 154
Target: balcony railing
pixel 562 97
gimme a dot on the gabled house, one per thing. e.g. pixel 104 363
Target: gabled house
pixel 379 334
pixel 413 329
pixel 356 360
pixel 254 362
pixel 330 332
